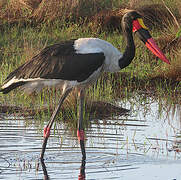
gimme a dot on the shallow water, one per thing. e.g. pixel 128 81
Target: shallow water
pixel 146 144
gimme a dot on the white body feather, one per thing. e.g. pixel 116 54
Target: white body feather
pixel 95 45
pixel 81 46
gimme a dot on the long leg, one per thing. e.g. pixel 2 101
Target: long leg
pixel 46 177
pixel 82 171
pixel 50 123
pixel 80 130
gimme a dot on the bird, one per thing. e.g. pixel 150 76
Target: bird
pixel 76 64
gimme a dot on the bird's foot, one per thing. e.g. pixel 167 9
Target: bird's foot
pixel 80 135
pixel 46 132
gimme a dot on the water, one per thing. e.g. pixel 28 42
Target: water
pixel 146 144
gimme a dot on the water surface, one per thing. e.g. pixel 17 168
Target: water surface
pixel 146 144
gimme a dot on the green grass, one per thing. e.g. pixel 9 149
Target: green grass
pixel 19 43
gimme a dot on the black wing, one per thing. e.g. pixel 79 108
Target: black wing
pixel 60 61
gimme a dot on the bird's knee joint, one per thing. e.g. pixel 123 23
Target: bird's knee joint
pixel 46 132
pixel 80 135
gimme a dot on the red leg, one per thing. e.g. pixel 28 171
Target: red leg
pixel 82 171
pixel 46 132
pixel 80 134
pixel 80 130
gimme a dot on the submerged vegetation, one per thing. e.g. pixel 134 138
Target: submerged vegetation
pixel 27 26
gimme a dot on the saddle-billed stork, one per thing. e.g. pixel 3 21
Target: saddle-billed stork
pixel 78 63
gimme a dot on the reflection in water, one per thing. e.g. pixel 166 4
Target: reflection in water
pixel 46 177
pixel 148 140
pixel 81 175
pixel 82 167
pixel 82 171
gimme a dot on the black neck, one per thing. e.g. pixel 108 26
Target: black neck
pixel 129 52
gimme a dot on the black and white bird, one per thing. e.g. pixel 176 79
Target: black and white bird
pixel 77 64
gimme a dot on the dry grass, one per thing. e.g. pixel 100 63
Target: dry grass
pixel 50 10
pixel 169 43
pixel 78 11
pixel 172 72
pixel 99 16
pixel 69 10
pixel 106 20
pixel 31 4
pixel 38 11
pixel 154 15
pixel 14 10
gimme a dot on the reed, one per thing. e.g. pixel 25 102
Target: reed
pixel 21 41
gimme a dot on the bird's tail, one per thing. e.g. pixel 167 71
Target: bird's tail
pixel 26 85
pixel 9 86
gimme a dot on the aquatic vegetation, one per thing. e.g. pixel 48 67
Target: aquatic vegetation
pixel 25 34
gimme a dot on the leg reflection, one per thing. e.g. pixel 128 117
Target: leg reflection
pixel 82 171
pixel 46 177
pixel 81 174
pixel 80 134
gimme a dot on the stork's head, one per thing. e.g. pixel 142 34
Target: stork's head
pixel 134 21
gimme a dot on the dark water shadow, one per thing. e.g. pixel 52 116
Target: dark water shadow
pixel 81 176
